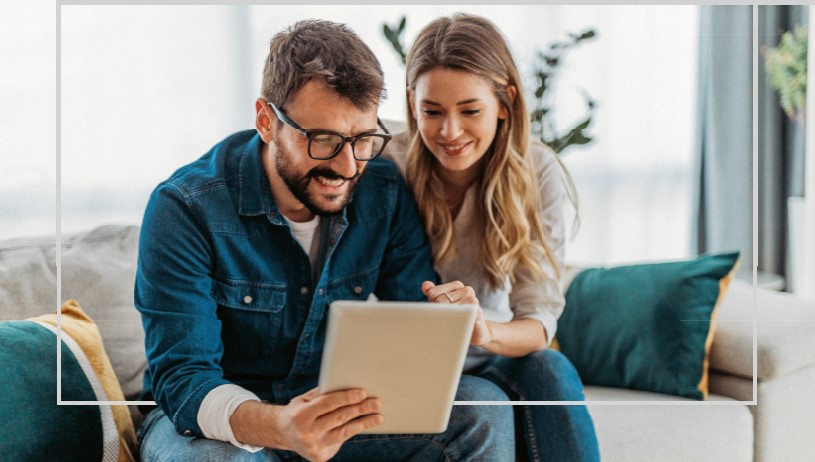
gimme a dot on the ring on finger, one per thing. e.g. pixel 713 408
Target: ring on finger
pixel 448 297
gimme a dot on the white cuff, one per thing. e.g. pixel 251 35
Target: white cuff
pixel 216 409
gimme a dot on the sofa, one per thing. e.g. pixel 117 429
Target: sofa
pixel 98 269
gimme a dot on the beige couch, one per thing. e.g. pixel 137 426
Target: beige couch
pixel 98 269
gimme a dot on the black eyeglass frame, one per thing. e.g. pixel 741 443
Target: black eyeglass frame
pixel 310 134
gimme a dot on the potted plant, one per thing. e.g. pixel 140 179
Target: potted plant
pixel 786 67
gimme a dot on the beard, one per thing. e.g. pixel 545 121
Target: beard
pixel 298 185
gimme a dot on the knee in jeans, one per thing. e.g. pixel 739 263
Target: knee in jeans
pixel 478 389
pixel 557 370
pixel 473 388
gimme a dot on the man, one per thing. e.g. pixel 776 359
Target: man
pixel 242 251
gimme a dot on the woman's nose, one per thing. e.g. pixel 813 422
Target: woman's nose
pixel 451 128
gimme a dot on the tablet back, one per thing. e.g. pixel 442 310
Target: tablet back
pixel 410 355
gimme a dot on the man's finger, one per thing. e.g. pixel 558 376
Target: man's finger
pixel 343 415
pixel 356 426
pixel 330 402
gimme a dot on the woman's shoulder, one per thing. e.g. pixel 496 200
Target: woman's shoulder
pixel 544 160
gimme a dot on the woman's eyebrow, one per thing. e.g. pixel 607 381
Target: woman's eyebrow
pixel 466 101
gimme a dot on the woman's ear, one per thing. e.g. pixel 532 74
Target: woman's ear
pixel 264 120
pixel 512 92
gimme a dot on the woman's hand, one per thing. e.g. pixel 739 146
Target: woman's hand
pixel 456 292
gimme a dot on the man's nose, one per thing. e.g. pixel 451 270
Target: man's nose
pixel 344 163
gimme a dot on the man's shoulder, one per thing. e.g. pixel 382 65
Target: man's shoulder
pixel 379 192
pixel 382 172
pixel 218 166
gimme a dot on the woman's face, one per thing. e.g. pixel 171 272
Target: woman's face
pixel 457 115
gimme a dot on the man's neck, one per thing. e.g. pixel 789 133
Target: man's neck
pixel 287 204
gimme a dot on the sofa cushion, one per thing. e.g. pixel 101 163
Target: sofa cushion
pixel 98 269
pixel 40 429
pixel 719 429
pixel 647 327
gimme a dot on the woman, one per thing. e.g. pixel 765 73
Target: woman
pixel 491 203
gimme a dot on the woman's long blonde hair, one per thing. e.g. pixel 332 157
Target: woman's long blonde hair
pixel 508 189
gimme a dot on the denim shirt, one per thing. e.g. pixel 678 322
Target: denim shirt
pixel 226 293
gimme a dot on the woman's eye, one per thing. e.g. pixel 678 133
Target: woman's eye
pixel 472 112
pixel 430 112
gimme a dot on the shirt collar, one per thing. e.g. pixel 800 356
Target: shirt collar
pixel 254 192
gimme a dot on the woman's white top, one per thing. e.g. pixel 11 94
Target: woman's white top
pixel 527 298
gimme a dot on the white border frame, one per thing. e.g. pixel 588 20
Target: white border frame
pixel 754 402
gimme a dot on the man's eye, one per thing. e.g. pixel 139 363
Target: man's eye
pixel 324 139
pixel 365 140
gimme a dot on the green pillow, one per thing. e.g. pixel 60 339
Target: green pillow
pixel 33 426
pixel 647 327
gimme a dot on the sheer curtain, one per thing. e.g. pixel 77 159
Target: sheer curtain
pixel 146 89
pixel 725 150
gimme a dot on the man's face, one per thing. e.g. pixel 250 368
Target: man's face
pixel 323 187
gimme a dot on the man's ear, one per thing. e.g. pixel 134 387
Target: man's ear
pixel 512 92
pixel 411 103
pixel 264 118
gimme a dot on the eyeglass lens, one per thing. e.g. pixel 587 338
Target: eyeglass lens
pixel 325 145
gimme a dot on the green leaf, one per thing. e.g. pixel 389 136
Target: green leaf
pixel 786 69
pixel 587 35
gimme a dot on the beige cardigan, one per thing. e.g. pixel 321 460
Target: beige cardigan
pixel 527 298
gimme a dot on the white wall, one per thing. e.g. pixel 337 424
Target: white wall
pixel 146 89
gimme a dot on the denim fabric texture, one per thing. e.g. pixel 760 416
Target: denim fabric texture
pixel 475 433
pixel 227 295
pixel 546 432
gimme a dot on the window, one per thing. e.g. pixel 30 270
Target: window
pixel 146 89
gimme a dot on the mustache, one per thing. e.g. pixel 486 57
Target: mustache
pixel 330 174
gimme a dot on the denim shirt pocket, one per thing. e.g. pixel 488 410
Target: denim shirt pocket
pixel 358 286
pixel 251 315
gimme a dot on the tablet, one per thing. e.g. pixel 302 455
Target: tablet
pixel 410 355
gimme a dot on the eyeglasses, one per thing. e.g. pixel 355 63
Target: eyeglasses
pixel 325 144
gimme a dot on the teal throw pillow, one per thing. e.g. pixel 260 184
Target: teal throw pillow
pixel 34 427
pixel 646 327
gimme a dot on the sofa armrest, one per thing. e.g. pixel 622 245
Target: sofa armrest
pixel 786 333
pixel 786 367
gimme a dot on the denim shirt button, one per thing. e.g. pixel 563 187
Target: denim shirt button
pixel 247 299
pixel 321 291
pixel 187 433
pixel 304 290
pixel 357 290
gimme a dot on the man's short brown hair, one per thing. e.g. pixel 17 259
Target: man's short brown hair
pixel 326 50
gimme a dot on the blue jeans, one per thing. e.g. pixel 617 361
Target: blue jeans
pixel 475 433
pixel 551 433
